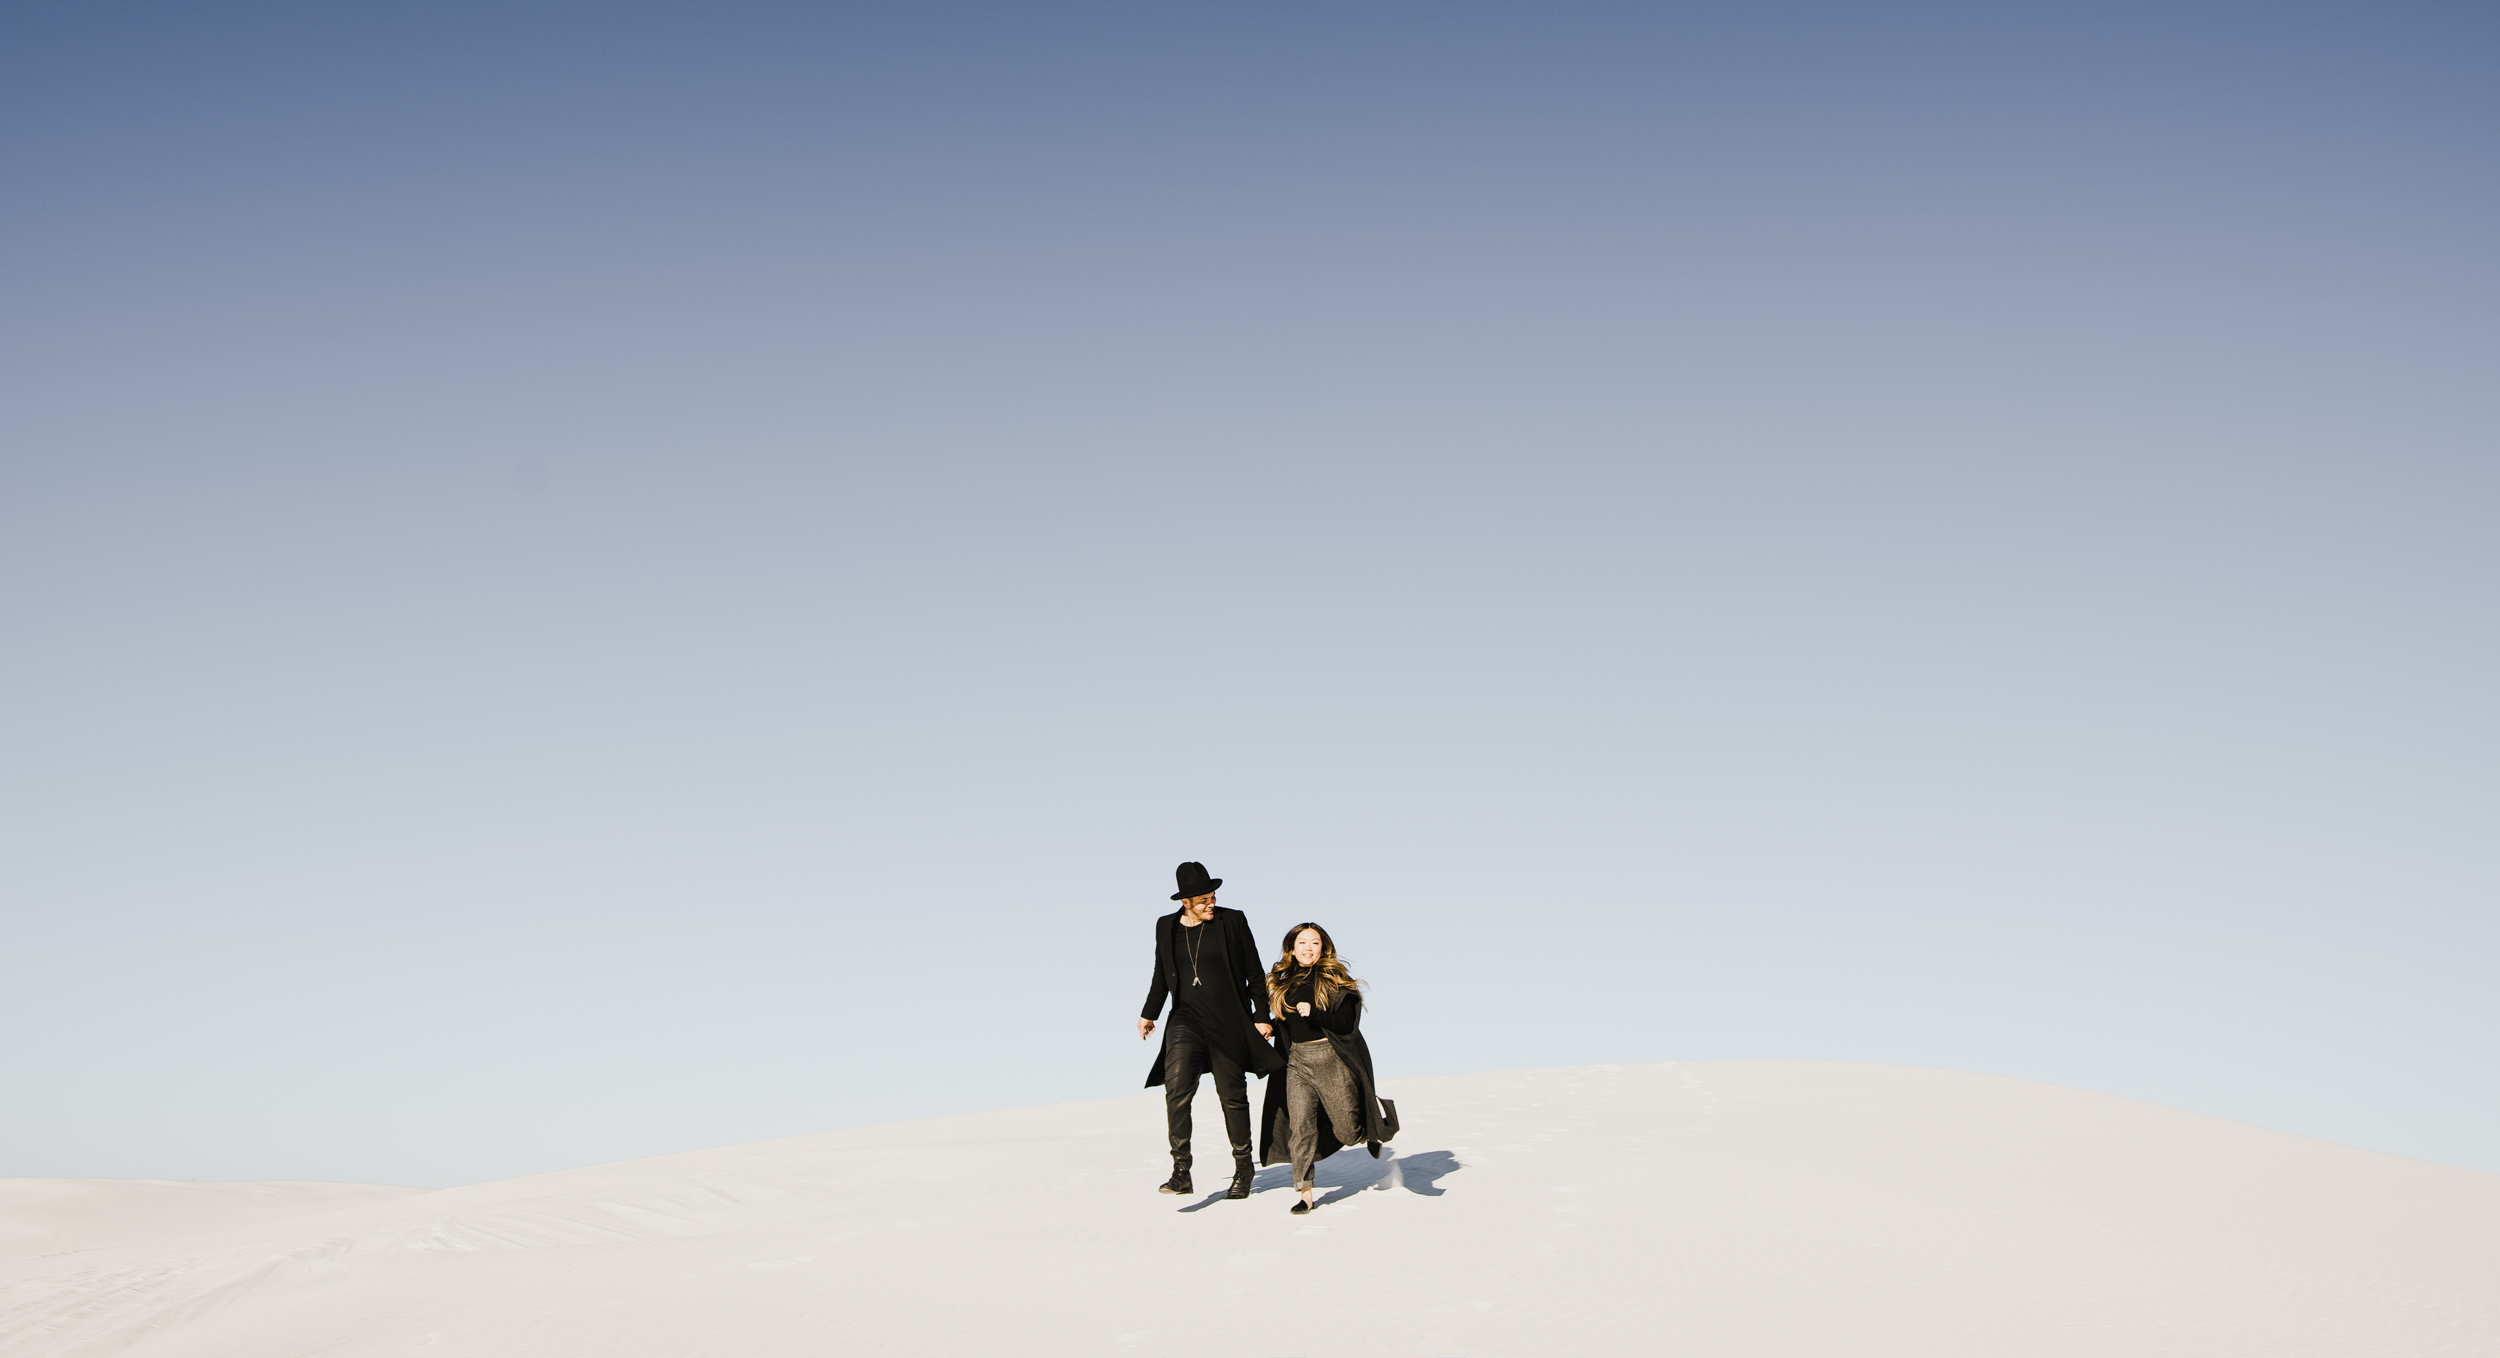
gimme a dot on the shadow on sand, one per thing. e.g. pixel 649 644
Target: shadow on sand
pixel 1349 1172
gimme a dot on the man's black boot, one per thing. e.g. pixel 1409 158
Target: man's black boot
pixel 1178 1183
pixel 1242 1175
pixel 1375 1148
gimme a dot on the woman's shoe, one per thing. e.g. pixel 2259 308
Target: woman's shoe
pixel 1178 1183
pixel 1301 1207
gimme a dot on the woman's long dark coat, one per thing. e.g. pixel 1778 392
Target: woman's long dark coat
pixel 1249 979
pixel 1380 1120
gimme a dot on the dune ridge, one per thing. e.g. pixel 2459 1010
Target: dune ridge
pixel 1722 1208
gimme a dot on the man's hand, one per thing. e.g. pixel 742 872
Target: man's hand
pixel 1264 1030
pixel 1145 1027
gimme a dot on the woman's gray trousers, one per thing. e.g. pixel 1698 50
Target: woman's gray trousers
pixel 1314 1078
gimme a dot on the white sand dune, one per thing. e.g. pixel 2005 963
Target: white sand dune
pixel 40 1217
pixel 1737 1209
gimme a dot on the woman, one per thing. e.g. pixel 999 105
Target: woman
pixel 1327 1098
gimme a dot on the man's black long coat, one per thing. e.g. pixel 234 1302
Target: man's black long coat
pixel 1379 1117
pixel 1239 1041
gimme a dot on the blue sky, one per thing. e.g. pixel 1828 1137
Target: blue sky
pixel 581 582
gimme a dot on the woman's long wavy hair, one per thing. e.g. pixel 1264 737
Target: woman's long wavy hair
pixel 1328 979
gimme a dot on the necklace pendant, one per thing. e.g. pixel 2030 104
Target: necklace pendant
pixel 1195 981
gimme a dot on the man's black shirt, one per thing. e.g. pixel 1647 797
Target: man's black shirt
pixel 1216 1000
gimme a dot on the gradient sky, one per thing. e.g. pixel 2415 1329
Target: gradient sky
pixel 585 581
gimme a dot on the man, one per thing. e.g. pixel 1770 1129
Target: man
pixel 1206 963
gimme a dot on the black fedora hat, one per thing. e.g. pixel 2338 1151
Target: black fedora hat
pixel 1194 881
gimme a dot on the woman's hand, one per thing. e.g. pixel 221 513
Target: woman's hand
pixel 1264 1030
pixel 1305 1007
pixel 1145 1027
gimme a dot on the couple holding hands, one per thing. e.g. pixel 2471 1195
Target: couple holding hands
pixel 1301 1016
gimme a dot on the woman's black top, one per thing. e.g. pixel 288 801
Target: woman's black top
pixel 1336 1018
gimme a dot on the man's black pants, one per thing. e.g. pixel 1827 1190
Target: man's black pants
pixel 1183 1057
